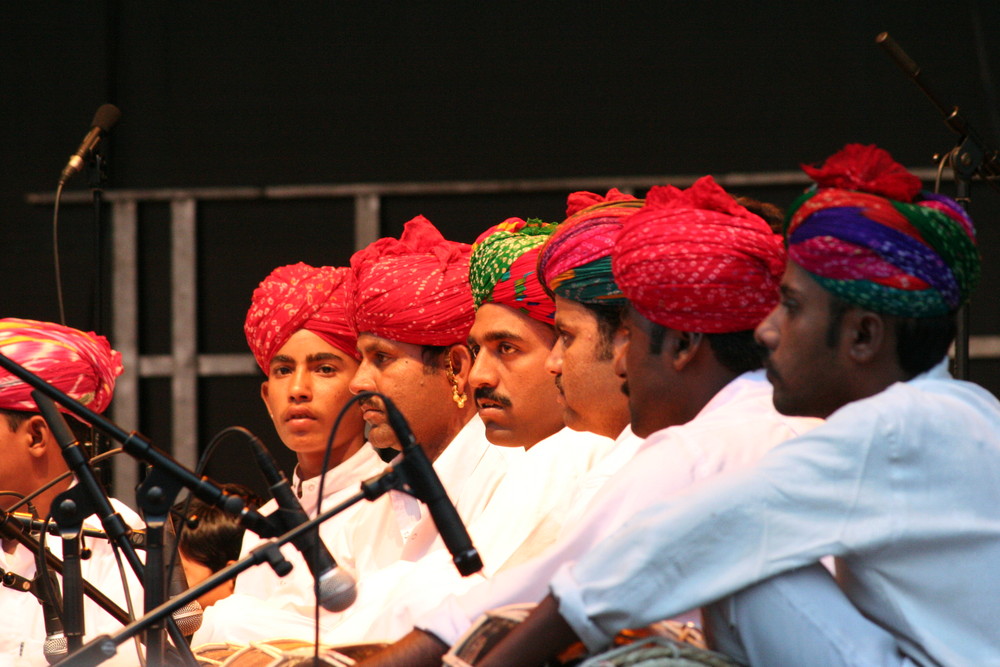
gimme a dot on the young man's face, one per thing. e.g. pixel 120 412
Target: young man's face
pixel 421 391
pixel 807 373
pixel 307 385
pixel 581 361
pixel 514 393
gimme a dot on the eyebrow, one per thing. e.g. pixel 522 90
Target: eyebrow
pixel 493 336
pixel 311 358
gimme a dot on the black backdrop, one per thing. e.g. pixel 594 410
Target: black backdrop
pixel 265 93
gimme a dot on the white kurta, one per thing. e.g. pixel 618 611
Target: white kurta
pixel 370 536
pixel 534 485
pixel 903 487
pixel 22 629
pixel 733 430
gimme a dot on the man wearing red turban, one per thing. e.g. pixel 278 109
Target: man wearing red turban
pixel 299 332
pixel 413 309
pixel 84 366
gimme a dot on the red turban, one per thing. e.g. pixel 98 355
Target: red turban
pixel 695 260
pixel 299 296
pixel 414 289
pixel 82 365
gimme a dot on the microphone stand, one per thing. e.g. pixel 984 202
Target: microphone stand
pixel 103 647
pixel 12 530
pixel 404 476
pixel 969 157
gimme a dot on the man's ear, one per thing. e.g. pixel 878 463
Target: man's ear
pixel 866 334
pixel 684 347
pixel 460 358
pixel 263 396
pixel 37 435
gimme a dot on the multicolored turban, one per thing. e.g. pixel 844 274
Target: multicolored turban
pixel 414 289
pixel 869 235
pixel 82 365
pixel 576 262
pixel 299 296
pixel 695 260
pixel 504 268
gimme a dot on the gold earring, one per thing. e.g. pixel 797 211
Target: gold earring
pixel 459 399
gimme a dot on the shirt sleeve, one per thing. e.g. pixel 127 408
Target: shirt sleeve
pixel 806 499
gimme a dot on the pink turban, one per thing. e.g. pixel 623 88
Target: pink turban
pixel 82 365
pixel 576 262
pixel 299 296
pixel 414 289
pixel 695 260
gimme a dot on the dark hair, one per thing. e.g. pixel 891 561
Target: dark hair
pixel 213 537
pixel 921 342
pixel 771 214
pixel 609 321
pixel 738 351
pixel 432 356
pixel 15 418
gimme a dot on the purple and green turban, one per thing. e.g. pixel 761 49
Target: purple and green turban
pixel 504 268
pixel 869 235
pixel 576 262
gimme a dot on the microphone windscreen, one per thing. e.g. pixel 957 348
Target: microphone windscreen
pixel 337 590
pixel 188 618
pixel 55 648
pixel 107 117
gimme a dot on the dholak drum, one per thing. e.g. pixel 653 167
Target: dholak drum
pixel 663 644
pixel 282 653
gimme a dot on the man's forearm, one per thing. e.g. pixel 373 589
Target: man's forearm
pixel 543 635
pixel 417 649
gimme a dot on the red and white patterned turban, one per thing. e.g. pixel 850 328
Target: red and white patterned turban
pixel 299 296
pixel 81 365
pixel 414 289
pixel 695 260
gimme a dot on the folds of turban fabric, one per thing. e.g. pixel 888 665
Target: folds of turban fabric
pixel 299 296
pixel 695 260
pixel 504 268
pixel 414 289
pixel 82 365
pixel 868 234
pixel 576 262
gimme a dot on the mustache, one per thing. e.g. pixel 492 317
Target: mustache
pixel 371 402
pixel 490 394
pixel 624 387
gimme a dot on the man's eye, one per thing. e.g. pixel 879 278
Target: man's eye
pixel 506 348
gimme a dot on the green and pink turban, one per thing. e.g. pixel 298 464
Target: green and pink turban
pixel 82 365
pixel 299 296
pixel 695 260
pixel 504 268
pixel 576 262
pixel 414 289
pixel 868 234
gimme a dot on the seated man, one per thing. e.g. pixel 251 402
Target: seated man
pixel 298 330
pixel 712 410
pixel 901 484
pixel 413 310
pixel 85 367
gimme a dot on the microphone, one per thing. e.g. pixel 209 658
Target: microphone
pixel 336 586
pixel 427 487
pixel 56 646
pixel 105 119
pixel 188 618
